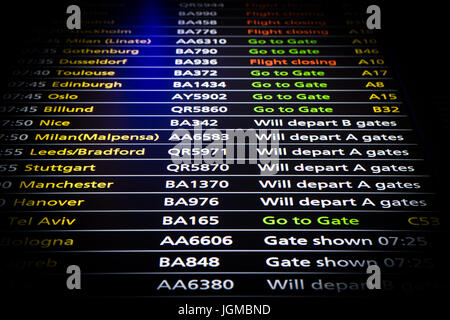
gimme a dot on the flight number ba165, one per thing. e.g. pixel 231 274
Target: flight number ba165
pixel 190 220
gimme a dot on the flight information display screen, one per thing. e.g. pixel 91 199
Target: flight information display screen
pixel 224 159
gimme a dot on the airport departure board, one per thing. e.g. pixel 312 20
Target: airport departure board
pixel 224 159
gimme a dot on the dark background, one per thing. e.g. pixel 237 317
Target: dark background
pixel 417 33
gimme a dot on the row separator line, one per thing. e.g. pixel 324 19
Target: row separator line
pixel 220 251
pixel 207 128
pixel 242 19
pixel 25 78
pixel 256 56
pixel 203 115
pixel 227 102
pixel 189 68
pixel 87 35
pixel 269 159
pixel 217 90
pixel 213 45
pixel 218 192
pixel 197 56
pixel 267 273
pixel 224 230
pixel 227 210
pixel 211 176
pixel 234 144
pixel 228 17
pixel 289 295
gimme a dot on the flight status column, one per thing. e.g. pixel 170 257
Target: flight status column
pixel 213 149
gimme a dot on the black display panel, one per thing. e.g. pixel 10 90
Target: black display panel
pixel 221 160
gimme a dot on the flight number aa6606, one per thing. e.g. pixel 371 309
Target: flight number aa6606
pixel 197 241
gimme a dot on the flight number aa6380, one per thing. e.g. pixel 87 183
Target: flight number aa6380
pixel 196 284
